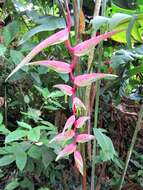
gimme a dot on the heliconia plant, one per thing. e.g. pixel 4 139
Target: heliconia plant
pixel 74 123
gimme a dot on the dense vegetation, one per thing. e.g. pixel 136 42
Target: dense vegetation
pixel 71 112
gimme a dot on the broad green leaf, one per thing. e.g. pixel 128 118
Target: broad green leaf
pixel 2 50
pixel 43 91
pixel 4 130
pixel 35 152
pixel 16 56
pixel 24 125
pixel 120 21
pixel 34 134
pixel 36 78
pixel 129 31
pixel 15 135
pixel 1 118
pixel 105 143
pixel 10 32
pixel 12 185
pixel 51 25
pixel 6 160
pixel 21 157
pixel 47 157
pixel 136 70
pixel 55 94
pixel 27 184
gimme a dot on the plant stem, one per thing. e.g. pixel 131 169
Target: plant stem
pixel 96 120
pixel 89 69
pixel 138 126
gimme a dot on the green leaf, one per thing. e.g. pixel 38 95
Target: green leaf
pixel 6 160
pixel 136 70
pixel 36 78
pixel 27 184
pixel 129 31
pixel 16 56
pixel 47 156
pixel 15 135
pixel 4 130
pixel 2 50
pixel 56 94
pixel 43 91
pixel 34 134
pixel 105 143
pixel 12 185
pixel 52 24
pixel 24 125
pixel 1 118
pixel 10 32
pixel 21 157
pixel 35 152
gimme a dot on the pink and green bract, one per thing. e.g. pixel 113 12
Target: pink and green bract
pixel 71 128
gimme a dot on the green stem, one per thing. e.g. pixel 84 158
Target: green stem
pixel 138 125
pixel 94 143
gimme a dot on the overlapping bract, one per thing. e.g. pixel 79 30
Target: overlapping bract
pixel 66 89
pixel 56 38
pixel 87 79
pixel 84 47
pixel 58 66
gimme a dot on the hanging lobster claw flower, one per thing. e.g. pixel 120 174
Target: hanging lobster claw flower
pixel 66 89
pixel 69 149
pixel 81 121
pixel 58 66
pixel 84 47
pixel 78 104
pixel 69 123
pixel 88 79
pixel 82 138
pixel 63 136
pixel 79 161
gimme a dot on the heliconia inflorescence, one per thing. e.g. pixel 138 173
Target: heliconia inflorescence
pixel 73 124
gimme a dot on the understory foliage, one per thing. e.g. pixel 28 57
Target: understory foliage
pixel 55 77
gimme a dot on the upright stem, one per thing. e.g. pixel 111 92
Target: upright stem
pixel 88 88
pixel 138 126
pixel 96 120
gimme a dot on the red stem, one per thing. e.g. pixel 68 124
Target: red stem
pixel 68 16
pixel 73 65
